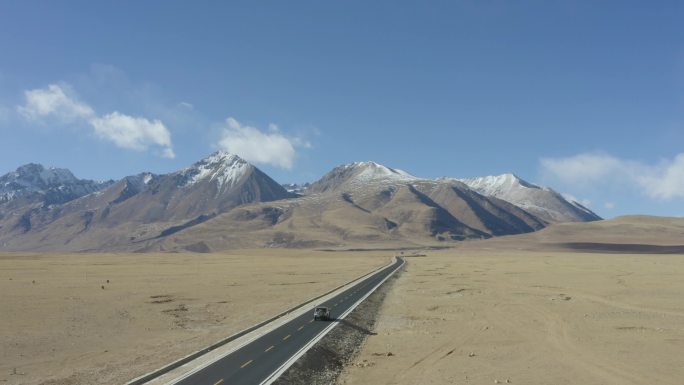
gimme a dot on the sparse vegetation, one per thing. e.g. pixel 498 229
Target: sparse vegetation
pixel 152 318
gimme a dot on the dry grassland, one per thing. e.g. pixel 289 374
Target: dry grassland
pixel 107 318
pixel 533 318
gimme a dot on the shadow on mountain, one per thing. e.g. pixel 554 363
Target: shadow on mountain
pixel 175 229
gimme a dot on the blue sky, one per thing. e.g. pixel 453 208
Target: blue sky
pixel 584 96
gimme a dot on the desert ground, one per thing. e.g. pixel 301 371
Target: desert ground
pixel 107 318
pixel 468 316
pixel 524 309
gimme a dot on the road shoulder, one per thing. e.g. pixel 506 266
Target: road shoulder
pixel 326 360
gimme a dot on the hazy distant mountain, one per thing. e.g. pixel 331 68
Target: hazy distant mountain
pixel 45 185
pixel 542 202
pixel 296 188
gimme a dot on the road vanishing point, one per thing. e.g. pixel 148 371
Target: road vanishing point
pixel 262 360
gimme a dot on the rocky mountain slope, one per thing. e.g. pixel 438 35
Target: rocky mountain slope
pixel 224 202
pixel 359 204
pixel 357 176
pixel 141 207
pixel 542 202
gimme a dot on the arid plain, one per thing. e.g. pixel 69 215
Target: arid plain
pixel 488 312
pixel 522 309
pixel 107 318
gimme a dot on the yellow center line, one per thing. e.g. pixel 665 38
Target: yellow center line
pixel 218 382
pixel 246 363
pixel 267 350
pixel 286 337
pixel 300 328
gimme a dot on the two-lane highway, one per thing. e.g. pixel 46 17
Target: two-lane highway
pixel 260 361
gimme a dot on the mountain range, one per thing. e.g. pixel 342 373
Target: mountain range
pixel 224 202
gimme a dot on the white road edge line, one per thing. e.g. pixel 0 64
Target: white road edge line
pixel 274 376
pixel 204 365
pixel 247 342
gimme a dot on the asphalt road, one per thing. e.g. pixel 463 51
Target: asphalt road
pixel 255 362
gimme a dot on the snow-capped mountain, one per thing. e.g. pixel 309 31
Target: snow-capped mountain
pixel 359 174
pixel 223 202
pixel 50 185
pixel 214 184
pixel 222 168
pixel 142 206
pixel 221 182
pixel 543 202
pixel 445 209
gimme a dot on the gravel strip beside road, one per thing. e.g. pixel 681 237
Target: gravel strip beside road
pixel 323 363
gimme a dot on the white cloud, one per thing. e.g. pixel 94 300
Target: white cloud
pixel 133 133
pixel 664 180
pixel 168 153
pixel 129 132
pixel 271 147
pixel 582 168
pixel 609 205
pixel 54 101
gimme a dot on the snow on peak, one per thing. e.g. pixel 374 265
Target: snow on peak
pixel 147 177
pixel 61 184
pixel 222 167
pixel 140 181
pixel 34 177
pixel 373 171
pixel 221 159
pixel 539 201
pixel 497 184
pixel 358 176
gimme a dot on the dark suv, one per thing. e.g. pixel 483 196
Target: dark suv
pixel 321 313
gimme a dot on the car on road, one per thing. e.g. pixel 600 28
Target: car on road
pixel 321 313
